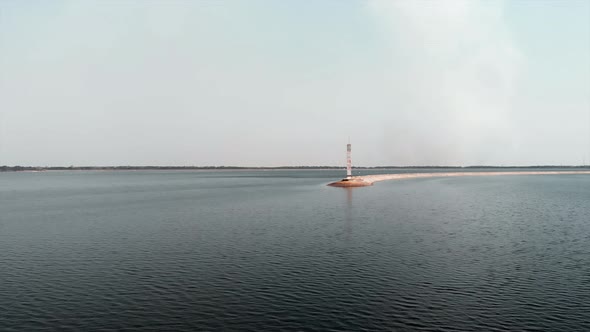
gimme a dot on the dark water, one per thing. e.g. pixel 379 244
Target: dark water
pixel 278 250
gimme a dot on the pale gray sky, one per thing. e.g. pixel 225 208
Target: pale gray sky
pixel 269 83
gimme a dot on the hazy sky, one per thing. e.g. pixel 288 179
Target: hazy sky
pixel 253 83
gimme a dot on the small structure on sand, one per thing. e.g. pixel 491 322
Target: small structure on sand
pixel 349 180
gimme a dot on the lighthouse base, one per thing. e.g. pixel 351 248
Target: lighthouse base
pixel 351 182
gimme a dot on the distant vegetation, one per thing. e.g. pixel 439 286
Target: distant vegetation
pixel 133 168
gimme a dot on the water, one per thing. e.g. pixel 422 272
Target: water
pixel 278 250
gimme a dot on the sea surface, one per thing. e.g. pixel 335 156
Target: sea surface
pixel 279 250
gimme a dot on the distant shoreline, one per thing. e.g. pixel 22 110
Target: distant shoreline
pixel 229 168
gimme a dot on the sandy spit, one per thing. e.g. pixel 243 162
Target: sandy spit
pixel 384 177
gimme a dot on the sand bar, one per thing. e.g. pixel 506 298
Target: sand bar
pixel 368 180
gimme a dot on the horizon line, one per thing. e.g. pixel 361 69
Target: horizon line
pixel 178 167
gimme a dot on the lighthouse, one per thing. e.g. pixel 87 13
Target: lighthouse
pixel 350 181
pixel 348 161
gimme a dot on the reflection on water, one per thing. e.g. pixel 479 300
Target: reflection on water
pixel 348 212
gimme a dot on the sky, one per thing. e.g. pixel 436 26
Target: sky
pixel 285 83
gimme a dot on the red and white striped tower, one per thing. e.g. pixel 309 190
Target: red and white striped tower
pixel 348 162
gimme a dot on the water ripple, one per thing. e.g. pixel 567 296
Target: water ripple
pixel 448 254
